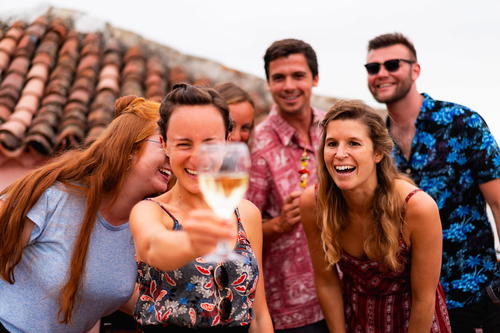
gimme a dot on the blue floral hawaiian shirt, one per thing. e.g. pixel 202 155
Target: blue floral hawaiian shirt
pixel 452 153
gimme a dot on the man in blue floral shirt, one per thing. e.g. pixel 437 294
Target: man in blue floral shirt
pixel 450 153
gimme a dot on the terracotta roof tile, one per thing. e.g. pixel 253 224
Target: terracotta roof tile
pixel 58 86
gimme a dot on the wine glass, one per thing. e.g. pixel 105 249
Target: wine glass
pixel 223 178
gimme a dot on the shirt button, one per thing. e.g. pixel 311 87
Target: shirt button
pixel 408 171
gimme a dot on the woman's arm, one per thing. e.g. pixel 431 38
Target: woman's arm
pixel 424 230
pixel 166 249
pixel 252 222
pixel 326 279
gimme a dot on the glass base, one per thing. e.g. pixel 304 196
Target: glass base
pixel 223 252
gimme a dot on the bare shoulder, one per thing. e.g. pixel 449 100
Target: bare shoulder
pixel 249 212
pixel 251 220
pixel 150 213
pixel 308 198
pixel 420 209
pixel 309 208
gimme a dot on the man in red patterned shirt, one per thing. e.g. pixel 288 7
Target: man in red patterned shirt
pixel 284 144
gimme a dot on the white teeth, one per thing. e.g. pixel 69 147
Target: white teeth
pixel 191 172
pixel 343 167
pixel 165 171
pixel 385 85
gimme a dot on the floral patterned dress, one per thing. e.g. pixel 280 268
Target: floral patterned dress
pixel 188 296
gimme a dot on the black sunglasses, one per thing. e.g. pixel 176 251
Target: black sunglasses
pixel 221 279
pixel 390 65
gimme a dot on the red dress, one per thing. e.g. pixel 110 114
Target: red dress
pixel 377 301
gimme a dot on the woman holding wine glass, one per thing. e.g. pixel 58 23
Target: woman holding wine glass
pixel 180 289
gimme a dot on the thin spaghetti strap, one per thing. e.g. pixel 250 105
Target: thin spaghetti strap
pixel 176 222
pixel 408 197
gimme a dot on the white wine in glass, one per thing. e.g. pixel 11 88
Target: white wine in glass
pixel 223 178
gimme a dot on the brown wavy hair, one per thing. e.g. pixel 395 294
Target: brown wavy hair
pixel 382 243
pixel 93 172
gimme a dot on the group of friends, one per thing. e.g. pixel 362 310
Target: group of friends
pixel 351 223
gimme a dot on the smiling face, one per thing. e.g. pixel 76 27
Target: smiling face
pixel 390 87
pixel 150 170
pixel 349 155
pixel 242 115
pixel 290 83
pixel 189 127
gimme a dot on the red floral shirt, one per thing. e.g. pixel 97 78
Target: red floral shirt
pixel 288 271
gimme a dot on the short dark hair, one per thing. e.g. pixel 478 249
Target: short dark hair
pixel 187 94
pixel 386 40
pixel 285 47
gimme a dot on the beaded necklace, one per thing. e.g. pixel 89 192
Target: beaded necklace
pixel 303 171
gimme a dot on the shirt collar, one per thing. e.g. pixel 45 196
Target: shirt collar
pixel 285 131
pixel 427 104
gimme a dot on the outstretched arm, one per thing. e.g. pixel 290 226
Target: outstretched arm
pixel 165 249
pixel 326 278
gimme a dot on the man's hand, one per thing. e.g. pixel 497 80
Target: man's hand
pixel 290 216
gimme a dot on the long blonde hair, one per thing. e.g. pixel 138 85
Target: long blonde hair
pixel 98 170
pixel 382 243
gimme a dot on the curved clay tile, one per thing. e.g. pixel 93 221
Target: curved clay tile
pixel 132 87
pixel 58 86
pixel 112 58
pixel 36 30
pixel 89 49
pixel 154 79
pixel 26 46
pixel 8 45
pixel 14 80
pixel 23 116
pixel 203 82
pixel 54 99
pixel 39 142
pixel 70 47
pixel 10 142
pixel 52 37
pixel 44 58
pixel 8 102
pixel 34 87
pixel 19 65
pixel 177 75
pixel 40 71
pixel 4 60
pixel 155 65
pixel 110 71
pixel 80 95
pixel 133 52
pixel 14 126
pixel 109 83
pixel 69 107
pixel 29 103
pixel 70 136
pixel 15 32
pixel 48 46
pixel 154 91
pixel 104 99
pixel 88 73
pixel 100 117
pixel 84 83
pixel 59 27
pixel 135 68
pixel 10 92
pixel 88 61
pixel 4 113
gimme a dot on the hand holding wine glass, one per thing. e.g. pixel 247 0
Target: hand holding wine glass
pixel 223 177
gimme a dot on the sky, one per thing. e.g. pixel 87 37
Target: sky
pixel 457 41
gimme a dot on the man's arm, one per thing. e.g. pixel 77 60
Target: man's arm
pixel 491 193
